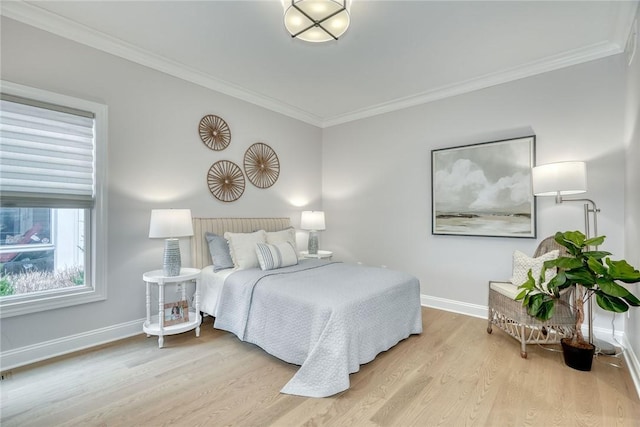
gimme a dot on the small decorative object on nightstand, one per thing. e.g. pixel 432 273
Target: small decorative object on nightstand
pixel 318 255
pixel 314 222
pixel 159 325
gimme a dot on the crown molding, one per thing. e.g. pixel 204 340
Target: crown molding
pixel 621 27
pixel 47 21
pixel 63 27
pixel 565 59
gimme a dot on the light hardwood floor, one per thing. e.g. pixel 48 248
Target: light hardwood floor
pixel 454 374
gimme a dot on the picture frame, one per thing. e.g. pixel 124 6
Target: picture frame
pixel 484 189
pixel 176 312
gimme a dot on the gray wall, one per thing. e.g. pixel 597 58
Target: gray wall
pixel 632 195
pixel 156 160
pixel 377 177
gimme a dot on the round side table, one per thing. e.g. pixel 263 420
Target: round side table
pixel 163 324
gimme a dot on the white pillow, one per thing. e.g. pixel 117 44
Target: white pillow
pixel 281 254
pixel 522 264
pixel 243 248
pixel 286 235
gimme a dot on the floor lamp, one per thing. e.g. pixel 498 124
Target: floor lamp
pixel 563 179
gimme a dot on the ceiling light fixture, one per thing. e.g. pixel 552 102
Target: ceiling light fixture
pixel 316 20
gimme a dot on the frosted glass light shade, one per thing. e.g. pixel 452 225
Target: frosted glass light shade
pixel 316 20
pixel 312 220
pixel 562 178
pixel 170 223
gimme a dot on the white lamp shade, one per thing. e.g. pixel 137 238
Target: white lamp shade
pixel 167 223
pixel 312 220
pixel 562 178
pixel 301 16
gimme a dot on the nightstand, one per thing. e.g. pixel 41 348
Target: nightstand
pixel 319 255
pixel 155 325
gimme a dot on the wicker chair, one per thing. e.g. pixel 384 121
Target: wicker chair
pixel 510 316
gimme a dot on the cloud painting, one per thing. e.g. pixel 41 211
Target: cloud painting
pixel 484 189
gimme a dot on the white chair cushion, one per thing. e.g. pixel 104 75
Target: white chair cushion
pixel 505 288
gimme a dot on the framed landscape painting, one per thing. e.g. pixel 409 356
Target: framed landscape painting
pixel 484 189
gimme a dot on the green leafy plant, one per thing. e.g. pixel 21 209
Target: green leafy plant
pixel 590 273
pixel 78 278
pixel 6 288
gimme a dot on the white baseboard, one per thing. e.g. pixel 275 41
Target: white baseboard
pixel 632 362
pixel 481 311
pixel 466 308
pixel 34 353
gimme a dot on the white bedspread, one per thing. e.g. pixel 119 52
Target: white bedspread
pixel 327 317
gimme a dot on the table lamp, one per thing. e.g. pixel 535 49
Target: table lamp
pixel 314 222
pixel 170 224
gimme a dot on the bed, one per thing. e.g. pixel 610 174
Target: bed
pixel 327 317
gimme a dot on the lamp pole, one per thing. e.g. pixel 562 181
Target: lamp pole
pixel 590 207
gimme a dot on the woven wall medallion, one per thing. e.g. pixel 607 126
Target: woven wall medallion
pixel 225 181
pixel 261 165
pixel 214 132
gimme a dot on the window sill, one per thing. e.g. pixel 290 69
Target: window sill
pixel 17 305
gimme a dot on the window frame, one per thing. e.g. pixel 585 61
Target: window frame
pixel 96 237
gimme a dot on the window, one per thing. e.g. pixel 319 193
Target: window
pixel 52 152
pixel 41 249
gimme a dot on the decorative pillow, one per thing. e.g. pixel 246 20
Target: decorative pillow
pixel 522 264
pixel 243 248
pixel 219 250
pixel 286 235
pixel 281 254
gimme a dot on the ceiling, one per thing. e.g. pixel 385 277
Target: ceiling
pixel 395 54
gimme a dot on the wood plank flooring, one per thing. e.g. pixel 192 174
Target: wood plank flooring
pixel 453 374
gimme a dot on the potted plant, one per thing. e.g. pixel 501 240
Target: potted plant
pixel 589 273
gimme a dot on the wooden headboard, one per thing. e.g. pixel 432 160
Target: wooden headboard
pixel 200 256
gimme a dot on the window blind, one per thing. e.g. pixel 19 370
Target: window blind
pixel 46 155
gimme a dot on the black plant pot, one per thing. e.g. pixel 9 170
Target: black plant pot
pixel 577 357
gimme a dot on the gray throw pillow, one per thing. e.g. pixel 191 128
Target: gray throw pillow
pixel 219 250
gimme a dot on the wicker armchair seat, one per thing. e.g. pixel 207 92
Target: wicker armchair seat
pixel 511 317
